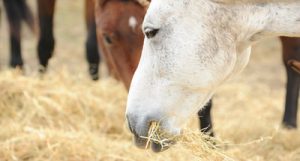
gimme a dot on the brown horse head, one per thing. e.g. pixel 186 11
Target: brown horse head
pixel 120 35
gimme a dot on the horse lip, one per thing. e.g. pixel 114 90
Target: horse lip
pixel 157 148
pixel 140 142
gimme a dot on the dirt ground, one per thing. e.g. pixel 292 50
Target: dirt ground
pixel 65 116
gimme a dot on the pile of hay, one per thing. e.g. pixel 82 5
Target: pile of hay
pixel 68 117
pixel 61 117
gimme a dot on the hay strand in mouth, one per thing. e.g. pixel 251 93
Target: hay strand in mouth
pixel 152 133
pixel 157 136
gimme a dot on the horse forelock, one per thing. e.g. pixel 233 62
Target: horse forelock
pixel 143 2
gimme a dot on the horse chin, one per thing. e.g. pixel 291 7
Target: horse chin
pixel 144 143
pixel 155 147
pixel 140 142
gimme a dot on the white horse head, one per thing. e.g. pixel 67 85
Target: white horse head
pixel 192 47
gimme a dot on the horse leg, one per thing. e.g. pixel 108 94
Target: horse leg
pixel 14 18
pixel 205 119
pixel 16 60
pixel 291 51
pixel 92 52
pixel 46 39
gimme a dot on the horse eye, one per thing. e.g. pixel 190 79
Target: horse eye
pixel 151 32
pixel 107 39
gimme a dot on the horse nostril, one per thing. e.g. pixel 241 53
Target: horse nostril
pixel 107 39
pixel 151 32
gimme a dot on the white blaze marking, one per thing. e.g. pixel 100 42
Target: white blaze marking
pixel 132 22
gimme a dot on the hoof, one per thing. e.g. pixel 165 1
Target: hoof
pixel 93 70
pixel 16 63
pixel 95 77
pixel 42 69
pixel 208 133
pixel 289 126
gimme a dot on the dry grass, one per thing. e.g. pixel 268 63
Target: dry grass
pixel 65 116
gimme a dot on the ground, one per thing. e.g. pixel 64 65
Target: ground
pixel 65 116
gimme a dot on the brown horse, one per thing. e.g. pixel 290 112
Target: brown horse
pixel 120 35
pixel 18 10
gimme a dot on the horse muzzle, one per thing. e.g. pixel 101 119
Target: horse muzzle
pixel 140 128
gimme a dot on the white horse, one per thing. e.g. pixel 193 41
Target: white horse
pixel 192 47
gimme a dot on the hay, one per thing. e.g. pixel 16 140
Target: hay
pixel 62 116
pixel 200 144
pixel 157 136
pixel 153 135
pixel 65 117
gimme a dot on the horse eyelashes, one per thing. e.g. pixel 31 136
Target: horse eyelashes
pixel 107 39
pixel 150 33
